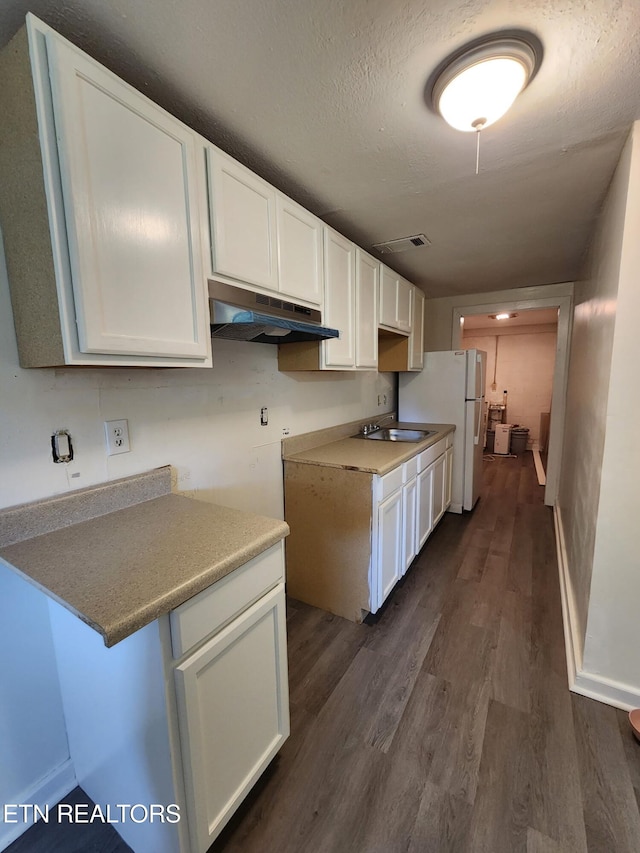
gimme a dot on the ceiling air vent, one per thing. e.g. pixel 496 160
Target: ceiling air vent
pixel 401 245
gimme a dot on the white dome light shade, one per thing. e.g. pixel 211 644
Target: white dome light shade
pixel 478 88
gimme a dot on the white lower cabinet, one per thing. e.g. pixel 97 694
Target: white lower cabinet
pixel 448 472
pixel 424 523
pixel 233 713
pixel 409 501
pixel 438 488
pixel 389 546
pixel 354 534
pixel 409 520
pixel 188 711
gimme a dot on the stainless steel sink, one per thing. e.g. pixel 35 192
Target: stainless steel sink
pixel 398 434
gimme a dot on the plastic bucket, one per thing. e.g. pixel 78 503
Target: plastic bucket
pixel 519 437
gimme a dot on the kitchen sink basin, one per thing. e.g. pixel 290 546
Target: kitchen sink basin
pixel 398 434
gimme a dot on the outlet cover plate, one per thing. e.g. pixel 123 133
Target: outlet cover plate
pixel 117 435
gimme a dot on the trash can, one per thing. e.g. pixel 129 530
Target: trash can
pixel 519 437
pixel 502 443
pixel 491 439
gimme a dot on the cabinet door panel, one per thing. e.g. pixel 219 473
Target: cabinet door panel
pixel 448 477
pixel 425 505
pixel 366 320
pixel 233 713
pixel 403 315
pixel 243 218
pixel 438 488
pixel 388 298
pixel 409 507
pixel 416 340
pixel 130 195
pixel 300 261
pixel 389 545
pixel 339 300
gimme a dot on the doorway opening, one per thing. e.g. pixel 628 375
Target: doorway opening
pixel 553 317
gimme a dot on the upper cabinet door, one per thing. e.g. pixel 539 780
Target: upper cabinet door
pixel 416 339
pixel 403 303
pixel 339 300
pixel 388 298
pixel 366 317
pixel 243 222
pixel 300 261
pixel 128 173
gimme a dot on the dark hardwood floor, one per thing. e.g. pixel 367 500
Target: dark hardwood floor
pixel 447 725
pixel 65 837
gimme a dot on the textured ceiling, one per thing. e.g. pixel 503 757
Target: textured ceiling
pixel 325 98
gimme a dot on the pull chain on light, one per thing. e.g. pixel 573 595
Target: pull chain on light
pixel 478 124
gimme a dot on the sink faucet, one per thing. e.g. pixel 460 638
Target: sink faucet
pixel 374 426
pixel 365 429
pixel 384 418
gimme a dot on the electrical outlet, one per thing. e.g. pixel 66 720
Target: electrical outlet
pixel 117 434
pixel 264 416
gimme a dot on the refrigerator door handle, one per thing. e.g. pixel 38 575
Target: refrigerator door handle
pixel 476 438
pixel 480 375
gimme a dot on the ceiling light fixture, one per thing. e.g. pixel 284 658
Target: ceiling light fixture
pixel 477 85
pixel 503 316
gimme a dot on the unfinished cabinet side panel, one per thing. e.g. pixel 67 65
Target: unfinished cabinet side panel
pixel 328 551
pixel 23 199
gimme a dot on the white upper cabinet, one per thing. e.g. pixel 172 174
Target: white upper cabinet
pixel 120 272
pixel 395 301
pixel 366 314
pixel 339 300
pixel 389 281
pixel 300 255
pixel 259 236
pixel 351 282
pixel 403 313
pixel 416 338
pixel 243 222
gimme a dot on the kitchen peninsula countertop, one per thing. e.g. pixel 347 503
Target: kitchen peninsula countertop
pixel 352 452
pixel 121 554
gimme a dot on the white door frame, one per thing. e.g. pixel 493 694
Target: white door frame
pixel 564 304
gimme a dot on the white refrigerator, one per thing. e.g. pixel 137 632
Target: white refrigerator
pixel 450 390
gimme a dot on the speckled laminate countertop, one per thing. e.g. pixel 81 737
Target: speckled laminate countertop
pixel 363 454
pixel 126 567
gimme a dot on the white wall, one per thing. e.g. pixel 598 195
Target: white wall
pixel 439 316
pixel 205 423
pixel 611 643
pixel 587 393
pixel 525 369
pixel 33 739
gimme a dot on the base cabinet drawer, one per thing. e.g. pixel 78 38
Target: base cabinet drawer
pixel 233 714
pixel 213 608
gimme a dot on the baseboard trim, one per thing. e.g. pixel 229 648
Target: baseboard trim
pixel 47 792
pixel 540 472
pixel 585 683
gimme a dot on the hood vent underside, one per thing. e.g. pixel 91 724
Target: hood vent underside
pixel 241 315
pixel 402 244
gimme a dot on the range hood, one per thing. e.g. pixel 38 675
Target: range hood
pixel 241 315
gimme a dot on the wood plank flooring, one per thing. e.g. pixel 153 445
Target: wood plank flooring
pixel 447 725
pixel 66 837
